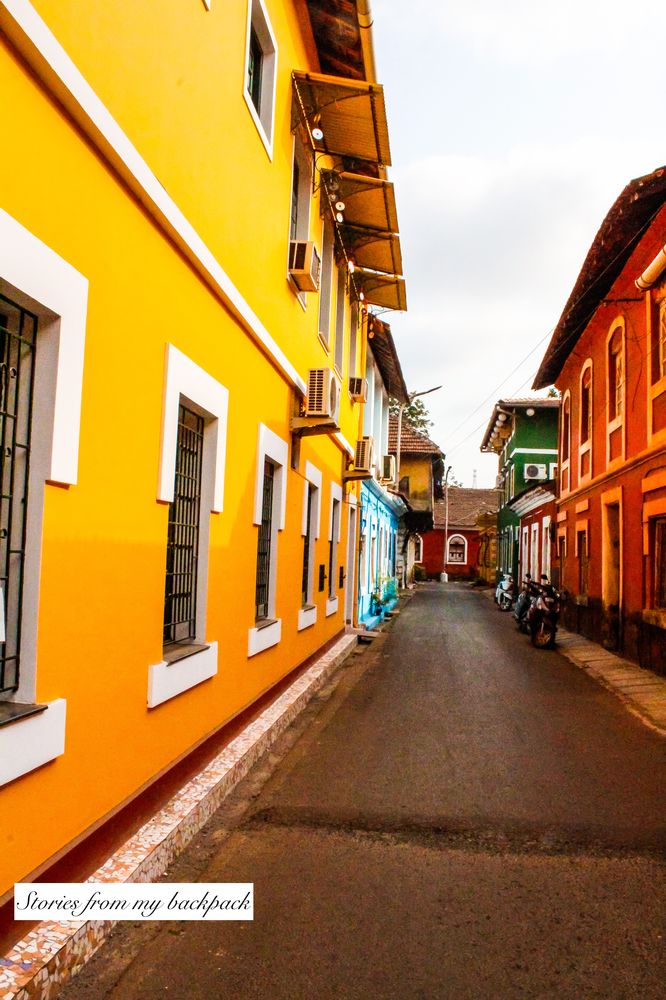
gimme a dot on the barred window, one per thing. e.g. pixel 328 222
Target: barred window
pixel 583 563
pixel 18 332
pixel 333 548
pixel 180 593
pixel 308 540
pixel 660 563
pixel 264 545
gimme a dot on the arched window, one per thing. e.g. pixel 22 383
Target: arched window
pixel 565 443
pixel 457 549
pixel 418 549
pixel 585 425
pixel 615 375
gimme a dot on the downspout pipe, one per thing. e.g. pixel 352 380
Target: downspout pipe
pixel 652 272
pixel 365 21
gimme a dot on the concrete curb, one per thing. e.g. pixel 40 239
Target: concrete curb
pixel 40 964
pixel 642 691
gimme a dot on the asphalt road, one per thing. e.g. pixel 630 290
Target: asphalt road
pixel 458 816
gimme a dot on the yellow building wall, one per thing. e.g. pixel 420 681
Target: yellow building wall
pixel 419 470
pixel 104 540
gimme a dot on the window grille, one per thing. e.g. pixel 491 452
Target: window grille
pixel 180 594
pixel 264 545
pixel 18 332
pixel 305 584
pixel 584 563
pixel 332 548
pixel 660 563
pixel 254 68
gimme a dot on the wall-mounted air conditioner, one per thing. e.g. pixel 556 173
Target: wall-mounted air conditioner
pixel 388 469
pixel 364 455
pixel 536 472
pixel 323 395
pixel 304 265
pixel 358 389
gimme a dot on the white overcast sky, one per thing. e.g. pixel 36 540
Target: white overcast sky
pixel 514 126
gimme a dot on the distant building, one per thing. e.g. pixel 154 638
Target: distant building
pixel 420 468
pixel 454 544
pixel 607 357
pixel 523 434
pixel 536 510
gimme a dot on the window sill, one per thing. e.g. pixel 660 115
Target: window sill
pixel 324 343
pixel 181 650
pixel 32 740
pixel 258 124
pixel 655 616
pixel 264 636
pixel 172 677
pixel 307 616
pixel 11 711
pixel 331 606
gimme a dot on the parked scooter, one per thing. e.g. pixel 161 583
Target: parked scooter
pixel 527 596
pixel 543 616
pixel 504 594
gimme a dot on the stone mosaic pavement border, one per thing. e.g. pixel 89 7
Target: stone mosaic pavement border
pixel 642 691
pixel 39 965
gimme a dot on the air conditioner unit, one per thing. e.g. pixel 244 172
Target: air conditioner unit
pixel 304 265
pixel 358 389
pixel 535 472
pixel 388 469
pixel 364 455
pixel 323 395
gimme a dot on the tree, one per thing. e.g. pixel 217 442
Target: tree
pixel 416 415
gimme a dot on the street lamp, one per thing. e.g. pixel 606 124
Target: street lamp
pixel 410 399
pixel 446 524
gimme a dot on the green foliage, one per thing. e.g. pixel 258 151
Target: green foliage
pixel 416 415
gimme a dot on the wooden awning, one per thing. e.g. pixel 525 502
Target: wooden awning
pixel 369 202
pixel 350 113
pixel 373 249
pixel 384 290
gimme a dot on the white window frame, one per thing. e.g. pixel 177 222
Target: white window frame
pixel 418 549
pixel 38 279
pixel 264 119
pixel 307 615
pixel 618 421
pixel 456 538
pixel 340 314
pixel 273 449
pixel 302 159
pixel 326 285
pixel 585 447
pixel 565 464
pixel 546 556
pixel 186 382
pixel 334 532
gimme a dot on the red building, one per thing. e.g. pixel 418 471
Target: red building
pixel 537 511
pixel 462 541
pixel 607 357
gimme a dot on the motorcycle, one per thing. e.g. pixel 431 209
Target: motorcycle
pixel 526 599
pixel 504 593
pixel 543 616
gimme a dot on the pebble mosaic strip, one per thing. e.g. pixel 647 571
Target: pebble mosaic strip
pixel 39 964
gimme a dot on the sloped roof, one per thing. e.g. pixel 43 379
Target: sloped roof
pixel 465 505
pixel 627 220
pixel 511 405
pixel 411 442
pixel 383 350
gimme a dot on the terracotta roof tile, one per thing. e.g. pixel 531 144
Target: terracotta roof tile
pixel 465 504
pixel 411 442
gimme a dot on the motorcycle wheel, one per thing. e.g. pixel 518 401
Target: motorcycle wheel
pixel 543 636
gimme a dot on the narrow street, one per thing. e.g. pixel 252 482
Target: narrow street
pixel 459 816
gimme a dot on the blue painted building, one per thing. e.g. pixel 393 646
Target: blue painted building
pixel 381 506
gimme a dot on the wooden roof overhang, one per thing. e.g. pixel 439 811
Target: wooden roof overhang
pixel 384 290
pixel 350 113
pixel 384 352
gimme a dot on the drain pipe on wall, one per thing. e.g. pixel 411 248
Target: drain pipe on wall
pixel 652 272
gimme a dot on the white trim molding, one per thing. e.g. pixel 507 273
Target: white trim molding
pixel 263 117
pixel 312 476
pixel 183 378
pixel 30 34
pixel 272 448
pixel 336 496
pixel 36 271
pixel 31 742
pixel 275 449
pixel 166 680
